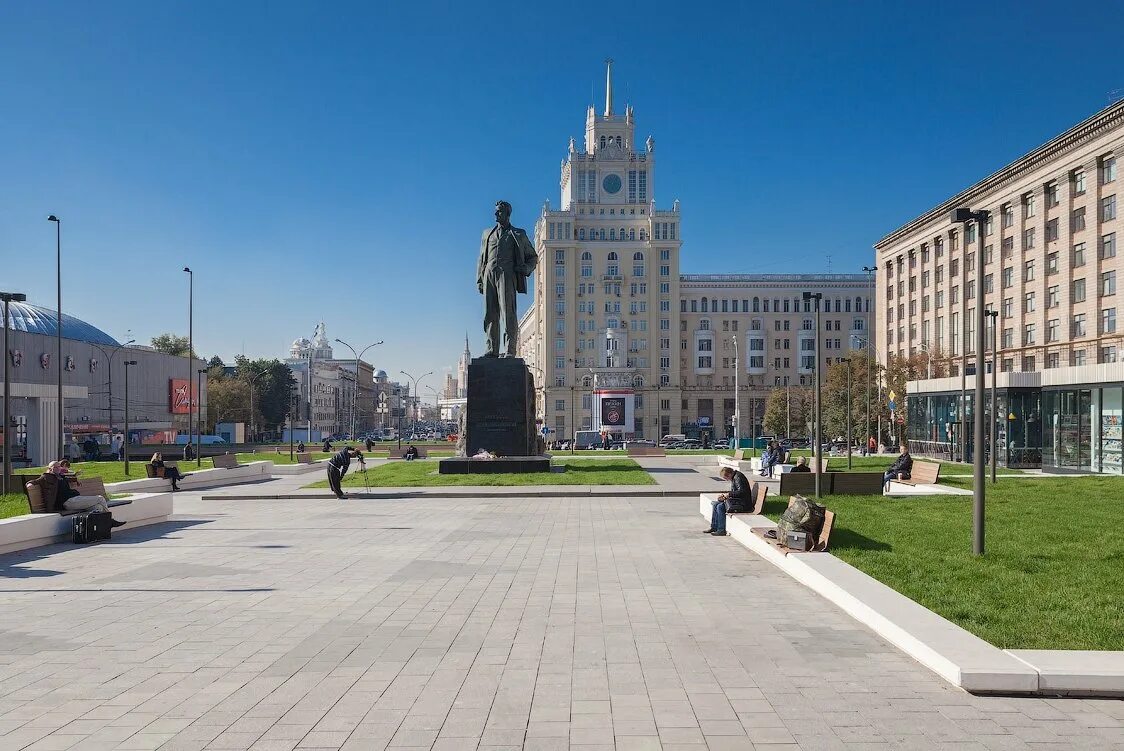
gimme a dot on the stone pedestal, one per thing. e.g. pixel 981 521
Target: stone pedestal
pixel 499 416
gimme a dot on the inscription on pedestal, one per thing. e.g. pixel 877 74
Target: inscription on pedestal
pixel 500 407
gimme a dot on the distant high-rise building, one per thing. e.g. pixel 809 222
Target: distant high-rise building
pixel 462 371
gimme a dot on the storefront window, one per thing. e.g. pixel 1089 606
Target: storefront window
pixel 1112 399
pixel 1067 438
pixel 1021 446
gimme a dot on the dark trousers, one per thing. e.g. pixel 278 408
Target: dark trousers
pixel 334 477
pixel 500 310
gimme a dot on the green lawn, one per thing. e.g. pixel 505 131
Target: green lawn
pixel 1051 575
pixel 423 473
pixel 13 504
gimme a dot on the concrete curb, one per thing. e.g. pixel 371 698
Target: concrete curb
pixel 960 657
pixel 463 491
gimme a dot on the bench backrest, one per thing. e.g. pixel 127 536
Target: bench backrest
pixel 225 461
pixel 739 455
pixel 151 471
pixel 856 483
pixel 304 458
pixel 925 473
pixel 401 453
pixel 803 483
pixel 760 490
pixel 825 532
pixel 92 486
pixel 35 503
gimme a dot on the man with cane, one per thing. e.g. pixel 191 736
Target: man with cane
pixel 337 468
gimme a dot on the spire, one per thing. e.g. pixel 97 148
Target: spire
pixel 608 86
pixel 466 342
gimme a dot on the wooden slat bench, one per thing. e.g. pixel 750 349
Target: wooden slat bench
pixel 225 461
pixel 305 458
pixel 822 542
pixel 87 486
pixel 856 483
pixel 150 471
pixel 401 453
pixel 923 473
pixel 646 451
pixel 804 483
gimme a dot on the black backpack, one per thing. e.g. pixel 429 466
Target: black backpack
pixel 92 527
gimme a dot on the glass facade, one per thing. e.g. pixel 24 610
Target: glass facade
pixel 934 427
pixel 1082 429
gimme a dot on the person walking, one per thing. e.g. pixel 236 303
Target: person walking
pixel 337 468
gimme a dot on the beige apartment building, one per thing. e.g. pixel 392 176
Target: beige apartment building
pixel 618 339
pixel 1051 270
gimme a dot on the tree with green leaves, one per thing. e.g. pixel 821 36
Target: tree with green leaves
pixel 273 384
pixel 785 402
pixel 171 344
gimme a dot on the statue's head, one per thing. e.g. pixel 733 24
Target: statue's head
pixel 503 212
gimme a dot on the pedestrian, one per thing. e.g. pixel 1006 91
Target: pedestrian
pixel 337 468
pixel 300 447
pixel 188 451
pixel 327 445
pixel 605 444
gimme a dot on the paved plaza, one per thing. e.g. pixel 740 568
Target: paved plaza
pixel 591 623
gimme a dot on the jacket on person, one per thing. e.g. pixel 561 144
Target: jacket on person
pixel 188 452
pixel 902 465
pixel 341 460
pixel 524 261
pixel 740 498
pixel 55 489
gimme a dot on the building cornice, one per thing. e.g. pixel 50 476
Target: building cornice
pixel 1109 118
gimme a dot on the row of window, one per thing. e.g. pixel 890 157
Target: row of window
pixel 1077 180
pixel 756 305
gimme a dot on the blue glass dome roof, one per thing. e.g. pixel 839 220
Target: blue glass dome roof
pixel 36 320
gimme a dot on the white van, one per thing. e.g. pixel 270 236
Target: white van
pixel 672 438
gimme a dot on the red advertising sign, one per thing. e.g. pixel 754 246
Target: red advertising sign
pixel 179 403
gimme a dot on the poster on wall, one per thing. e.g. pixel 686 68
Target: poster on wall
pixel 613 412
pixel 179 403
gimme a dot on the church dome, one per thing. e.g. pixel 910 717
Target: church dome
pixel 380 375
pixel 38 320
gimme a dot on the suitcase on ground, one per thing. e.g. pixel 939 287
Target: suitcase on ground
pixel 92 527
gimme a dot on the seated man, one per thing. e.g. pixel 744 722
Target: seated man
pixel 411 453
pixel 900 469
pixel 738 501
pixel 58 496
pixel 802 465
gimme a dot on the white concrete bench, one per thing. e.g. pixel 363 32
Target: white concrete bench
pixel 33 530
pixel 961 658
pixel 203 478
pixel 299 468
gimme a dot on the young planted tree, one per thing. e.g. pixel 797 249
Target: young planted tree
pixel 788 405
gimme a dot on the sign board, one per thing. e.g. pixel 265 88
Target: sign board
pixel 704 421
pixel 613 412
pixel 179 402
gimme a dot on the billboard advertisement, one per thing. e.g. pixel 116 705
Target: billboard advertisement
pixel 179 403
pixel 612 412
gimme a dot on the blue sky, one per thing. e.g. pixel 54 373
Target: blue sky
pixel 337 161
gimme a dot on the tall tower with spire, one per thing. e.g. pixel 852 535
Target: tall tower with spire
pixel 462 370
pixel 606 290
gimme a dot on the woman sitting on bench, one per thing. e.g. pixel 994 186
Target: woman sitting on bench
pixel 169 473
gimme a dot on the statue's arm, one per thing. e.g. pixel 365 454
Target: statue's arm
pixel 530 257
pixel 480 262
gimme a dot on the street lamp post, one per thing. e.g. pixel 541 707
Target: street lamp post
pixel 109 368
pixel 415 393
pixel 849 436
pixel 8 297
pixel 58 321
pixel 870 271
pixel 358 357
pixel 964 216
pixel 125 444
pixel 737 397
pixel 253 380
pixel 994 316
pixel 199 415
pixel 190 342
pixel 815 297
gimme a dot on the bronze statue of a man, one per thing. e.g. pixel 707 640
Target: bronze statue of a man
pixel 507 258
